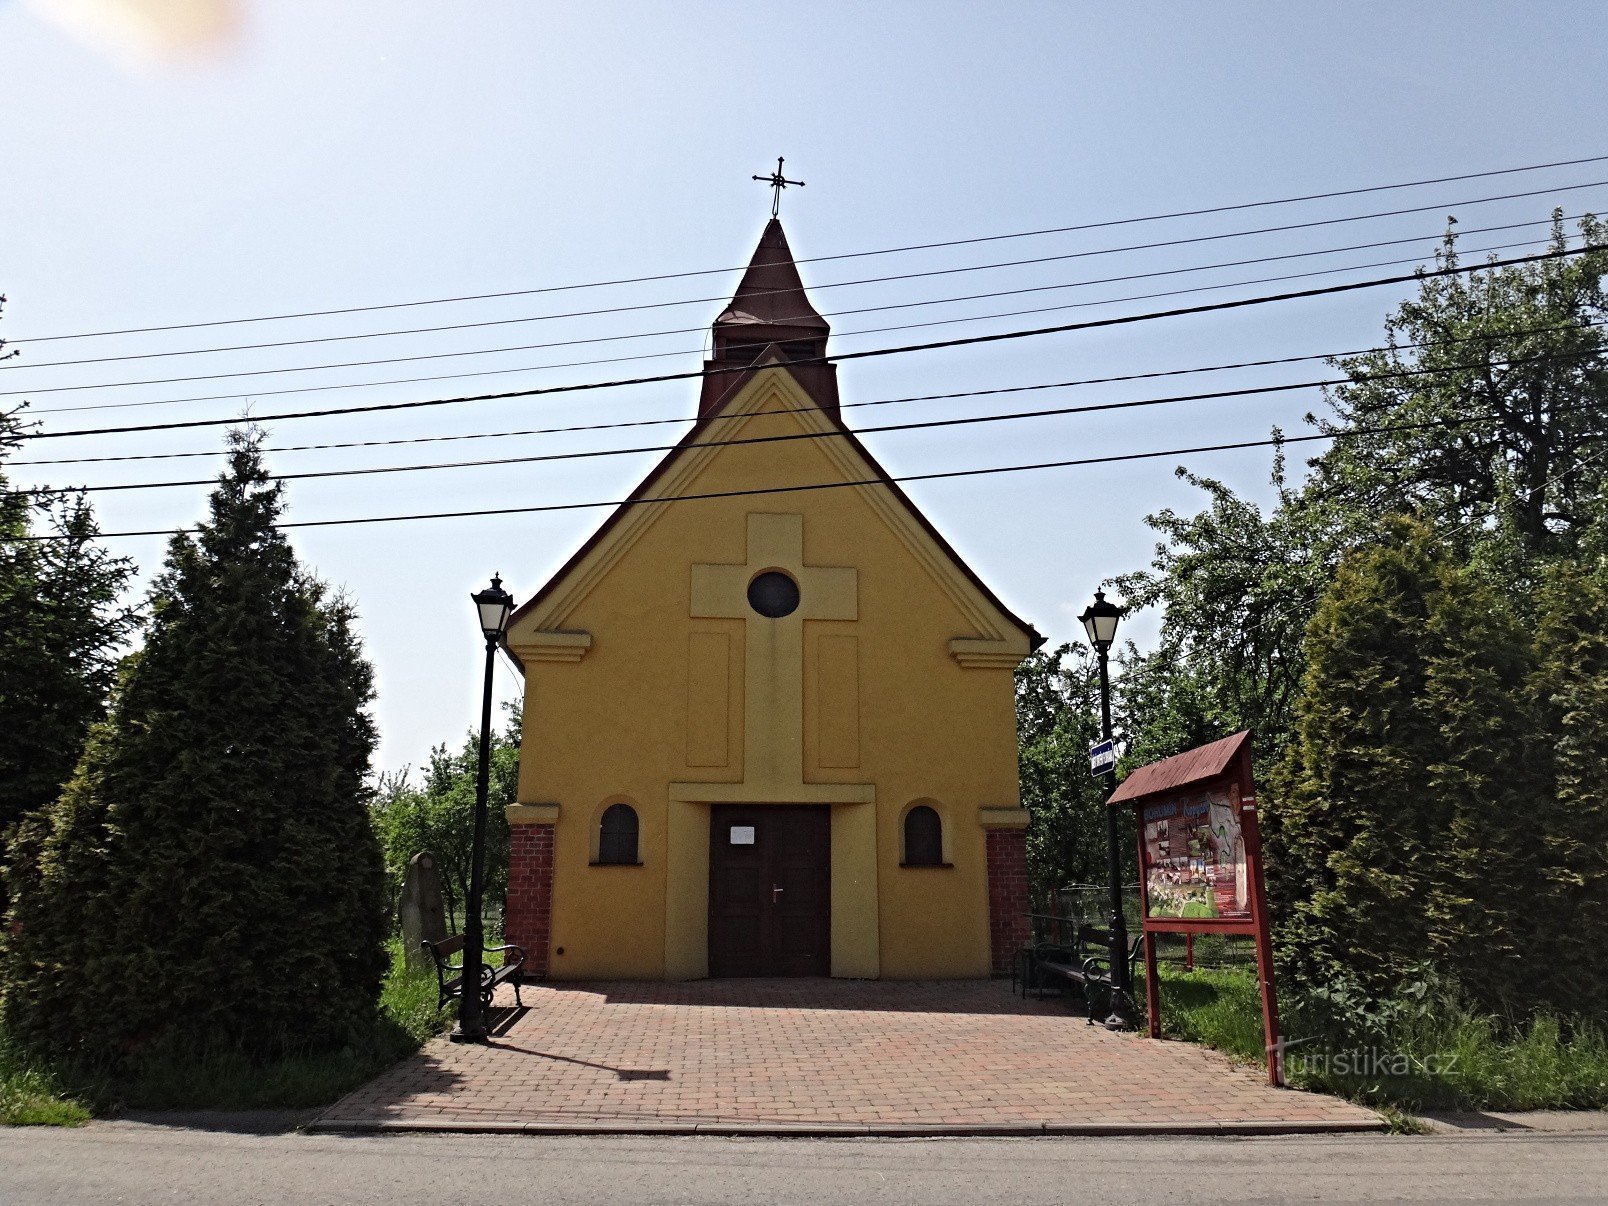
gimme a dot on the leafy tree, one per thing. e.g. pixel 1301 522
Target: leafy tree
pixel 1057 719
pixel 211 859
pixel 1498 385
pixel 1437 795
pixel 1169 707
pixel 1405 832
pixel 438 816
pixel 1237 587
pixel 1514 357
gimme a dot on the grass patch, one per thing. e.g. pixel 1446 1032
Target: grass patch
pixel 1437 1054
pixel 224 1078
pixel 1219 1009
pixel 31 1097
pixel 1401 1122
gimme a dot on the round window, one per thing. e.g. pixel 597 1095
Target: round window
pixel 773 594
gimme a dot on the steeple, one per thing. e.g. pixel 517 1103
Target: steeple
pixel 770 306
pixel 770 311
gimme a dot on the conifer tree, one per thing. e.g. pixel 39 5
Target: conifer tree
pixel 1404 834
pixel 61 627
pixel 209 877
pixel 1569 690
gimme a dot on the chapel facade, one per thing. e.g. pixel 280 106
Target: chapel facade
pixel 769 713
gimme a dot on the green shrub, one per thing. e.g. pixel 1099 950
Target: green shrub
pixel 1409 814
pixel 1057 716
pixel 1569 694
pixel 211 864
pixel 438 816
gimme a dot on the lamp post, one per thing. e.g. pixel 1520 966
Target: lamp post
pixel 1099 620
pixel 494 605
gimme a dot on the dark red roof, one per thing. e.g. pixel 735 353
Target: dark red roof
pixel 1181 770
pixel 771 293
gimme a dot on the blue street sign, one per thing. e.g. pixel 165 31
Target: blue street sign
pixel 1102 758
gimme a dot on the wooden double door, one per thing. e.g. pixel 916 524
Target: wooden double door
pixel 770 890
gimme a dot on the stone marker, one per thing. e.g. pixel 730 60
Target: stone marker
pixel 420 910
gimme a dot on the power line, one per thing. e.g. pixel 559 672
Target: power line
pixel 665 276
pixel 838 358
pixel 322 339
pixel 592 340
pixel 937 475
pixel 530 368
pixel 681 419
pixel 916 425
pixel 1107 301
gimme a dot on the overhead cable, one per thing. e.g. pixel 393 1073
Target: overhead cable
pixel 684 419
pixel 25 365
pixel 889 480
pixel 842 357
pixel 1025 234
pixel 787 437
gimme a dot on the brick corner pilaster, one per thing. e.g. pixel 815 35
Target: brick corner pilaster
pixel 528 911
pixel 1008 926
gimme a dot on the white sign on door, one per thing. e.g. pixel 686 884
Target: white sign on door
pixel 742 835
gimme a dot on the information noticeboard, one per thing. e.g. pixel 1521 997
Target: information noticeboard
pixel 1200 862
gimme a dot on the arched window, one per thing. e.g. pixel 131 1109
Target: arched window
pixel 617 836
pixel 923 838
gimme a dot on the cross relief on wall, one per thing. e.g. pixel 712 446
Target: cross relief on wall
pixel 773 662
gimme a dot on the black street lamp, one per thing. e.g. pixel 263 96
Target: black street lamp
pixel 1099 620
pixel 494 605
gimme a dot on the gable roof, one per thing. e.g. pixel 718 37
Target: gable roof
pixel 1181 770
pixel 772 361
pixel 770 306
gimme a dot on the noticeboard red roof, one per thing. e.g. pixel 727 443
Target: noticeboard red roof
pixel 1181 770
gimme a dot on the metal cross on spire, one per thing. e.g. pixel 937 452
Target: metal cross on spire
pixel 778 182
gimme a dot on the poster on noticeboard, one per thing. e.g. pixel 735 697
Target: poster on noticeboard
pixel 1194 856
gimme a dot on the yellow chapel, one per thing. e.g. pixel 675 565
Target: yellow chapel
pixel 769 721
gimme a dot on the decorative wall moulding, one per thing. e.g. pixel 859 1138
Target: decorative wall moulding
pixel 553 646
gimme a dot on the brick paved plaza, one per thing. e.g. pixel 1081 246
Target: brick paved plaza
pixel 819 1054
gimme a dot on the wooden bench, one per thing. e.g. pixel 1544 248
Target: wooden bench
pixel 1078 954
pixel 449 975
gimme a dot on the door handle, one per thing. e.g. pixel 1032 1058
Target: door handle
pixel 775 892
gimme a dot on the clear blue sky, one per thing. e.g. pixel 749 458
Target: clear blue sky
pixel 357 153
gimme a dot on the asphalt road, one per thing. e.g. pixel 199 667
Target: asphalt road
pixel 137 1162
